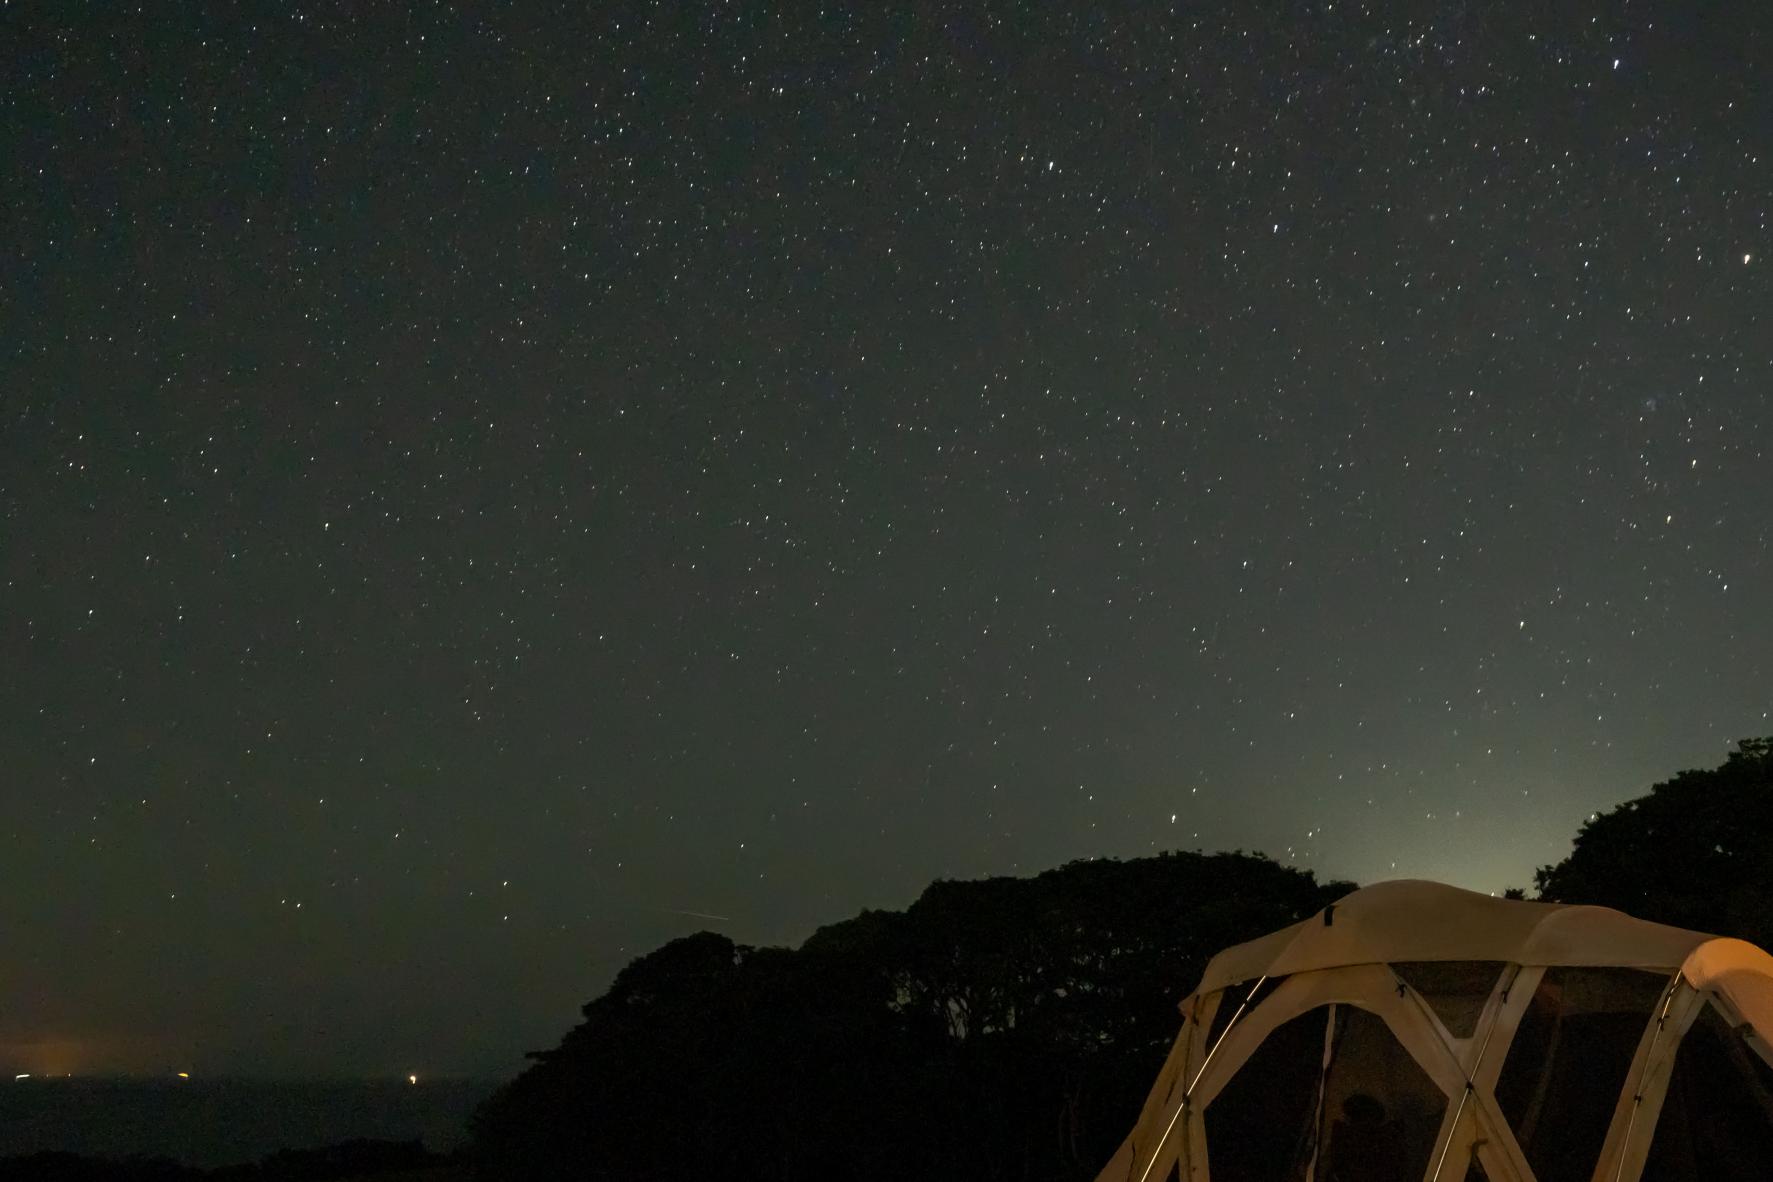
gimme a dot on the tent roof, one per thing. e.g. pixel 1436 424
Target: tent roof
pixel 1408 919
pixel 1330 958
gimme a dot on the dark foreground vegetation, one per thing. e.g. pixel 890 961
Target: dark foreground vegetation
pixel 1005 1028
pixel 1697 852
pixel 383 1161
pixel 999 1029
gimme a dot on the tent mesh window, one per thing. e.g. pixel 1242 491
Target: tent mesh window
pixel 1568 1062
pixel 1380 1113
pixel 1233 997
pixel 1261 1125
pixel 1717 1120
pixel 1456 990
pixel 1345 1102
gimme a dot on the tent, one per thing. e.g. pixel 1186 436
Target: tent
pixel 1415 1032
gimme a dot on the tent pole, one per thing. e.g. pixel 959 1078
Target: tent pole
pixel 1182 1104
pixel 1505 983
pixel 1452 1130
pixel 1637 1098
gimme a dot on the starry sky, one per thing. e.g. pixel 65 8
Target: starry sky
pixel 487 490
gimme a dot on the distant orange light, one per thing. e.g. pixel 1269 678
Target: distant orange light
pixel 412 1079
pixel 184 1075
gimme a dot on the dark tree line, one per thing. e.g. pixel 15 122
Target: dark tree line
pixel 1007 1028
pixel 1000 1029
pixel 1697 852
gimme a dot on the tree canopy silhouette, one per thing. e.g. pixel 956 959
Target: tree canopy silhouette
pixel 1696 852
pixel 996 1029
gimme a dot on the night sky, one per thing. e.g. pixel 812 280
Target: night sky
pixel 485 493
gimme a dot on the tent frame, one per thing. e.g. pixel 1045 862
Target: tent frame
pixel 1170 1137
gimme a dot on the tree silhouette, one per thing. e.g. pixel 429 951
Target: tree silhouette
pixel 1696 852
pixel 998 1029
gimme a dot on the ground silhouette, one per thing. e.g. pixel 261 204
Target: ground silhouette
pixel 347 1161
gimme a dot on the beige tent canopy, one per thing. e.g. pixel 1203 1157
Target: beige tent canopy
pixel 1414 1032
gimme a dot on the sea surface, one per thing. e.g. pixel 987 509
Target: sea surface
pixel 217 1122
